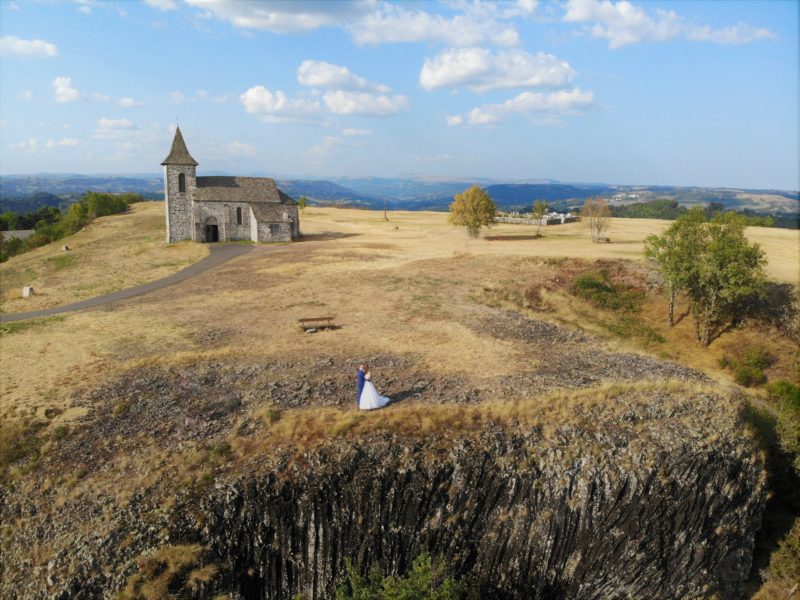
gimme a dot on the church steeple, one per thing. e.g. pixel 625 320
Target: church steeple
pixel 179 154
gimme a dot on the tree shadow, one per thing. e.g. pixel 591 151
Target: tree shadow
pixel 510 238
pixel 325 236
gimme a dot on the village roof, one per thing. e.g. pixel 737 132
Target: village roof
pixel 179 154
pixel 239 189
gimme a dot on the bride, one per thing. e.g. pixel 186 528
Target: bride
pixel 369 396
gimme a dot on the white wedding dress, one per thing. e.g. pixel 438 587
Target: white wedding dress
pixel 370 398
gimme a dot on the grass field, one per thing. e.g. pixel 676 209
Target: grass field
pixel 110 254
pixel 406 286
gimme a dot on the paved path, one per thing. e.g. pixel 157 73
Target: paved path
pixel 218 255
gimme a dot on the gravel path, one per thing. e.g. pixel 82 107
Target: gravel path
pixel 219 254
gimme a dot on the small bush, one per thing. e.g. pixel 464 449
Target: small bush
pixel 599 291
pixel 757 357
pixel 426 580
pixel 629 327
pixel 170 572
pixel 221 449
pixel 747 376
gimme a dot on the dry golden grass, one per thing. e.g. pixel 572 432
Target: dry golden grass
pixel 306 428
pixel 403 287
pixel 110 254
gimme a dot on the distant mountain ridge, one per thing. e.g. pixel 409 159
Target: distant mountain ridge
pixel 412 192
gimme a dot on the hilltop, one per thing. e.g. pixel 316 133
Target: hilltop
pixel 202 415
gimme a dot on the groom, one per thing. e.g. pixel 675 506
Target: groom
pixel 363 369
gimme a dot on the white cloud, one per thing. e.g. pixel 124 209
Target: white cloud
pixel 162 5
pixel 350 132
pixel 275 107
pixel 363 103
pixel 106 123
pixel 481 69
pixel 129 102
pixel 85 6
pixel 101 97
pixel 237 148
pixel 64 142
pixel 528 103
pixel 14 46
pixel 32 145
pixel 330 145
pixel 25 95
pixel 741 33
pixel 177 97
pixel 223 99
pixel 29 146
pixel 623 23
pixel 62 87
pixel 318 73
pixel 113 129
pixel 393 23
pixel 285 16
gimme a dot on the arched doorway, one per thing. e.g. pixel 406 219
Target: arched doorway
pixel 211 230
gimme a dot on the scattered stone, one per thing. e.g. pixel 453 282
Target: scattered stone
pixel 27 291
pixel 65 248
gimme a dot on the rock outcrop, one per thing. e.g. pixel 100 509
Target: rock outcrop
pixel 644 508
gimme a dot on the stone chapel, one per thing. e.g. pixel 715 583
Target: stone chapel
pixel 221 209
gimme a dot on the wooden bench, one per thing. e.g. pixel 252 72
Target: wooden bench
pixel 317 323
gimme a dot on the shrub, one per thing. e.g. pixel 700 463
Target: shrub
pixel 757 357
pixel 599 291
pixel 786 397
pixel 425 580
pixel 746 375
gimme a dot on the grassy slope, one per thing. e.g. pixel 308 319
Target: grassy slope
pixel 110 254
pixel 414 286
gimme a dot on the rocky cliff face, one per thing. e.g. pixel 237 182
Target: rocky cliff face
pixel 646 508
pixel 652 492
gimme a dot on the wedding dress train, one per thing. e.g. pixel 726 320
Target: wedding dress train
pixel 370 398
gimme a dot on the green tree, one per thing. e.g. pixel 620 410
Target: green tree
pixel 729 276
pixel 473 209
pixel 674 252
pixel 540 209
pixel 597 216
pixel 721 273
pixel 302 202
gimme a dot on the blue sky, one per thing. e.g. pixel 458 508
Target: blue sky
pixel 672 93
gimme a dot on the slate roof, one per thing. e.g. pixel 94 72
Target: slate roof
pixel 253 190
pixel 179 154
pixel 263 214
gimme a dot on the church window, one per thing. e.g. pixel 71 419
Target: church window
pixel 238 215
pixel 181 182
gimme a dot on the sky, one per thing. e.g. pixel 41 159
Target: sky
pixel 650 93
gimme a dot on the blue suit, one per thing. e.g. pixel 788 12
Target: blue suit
pixel 360 375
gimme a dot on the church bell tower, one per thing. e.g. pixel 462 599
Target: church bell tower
pixel 180 181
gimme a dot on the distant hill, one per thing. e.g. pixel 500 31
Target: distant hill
pixel 327 192
pixel 22 193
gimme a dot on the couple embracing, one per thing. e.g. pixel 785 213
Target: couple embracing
pixel 368 397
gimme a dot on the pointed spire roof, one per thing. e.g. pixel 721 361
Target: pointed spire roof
pixel 179 154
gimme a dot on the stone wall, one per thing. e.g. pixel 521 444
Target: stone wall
pixel 178 205
pixel 225 214
pixel 274 232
